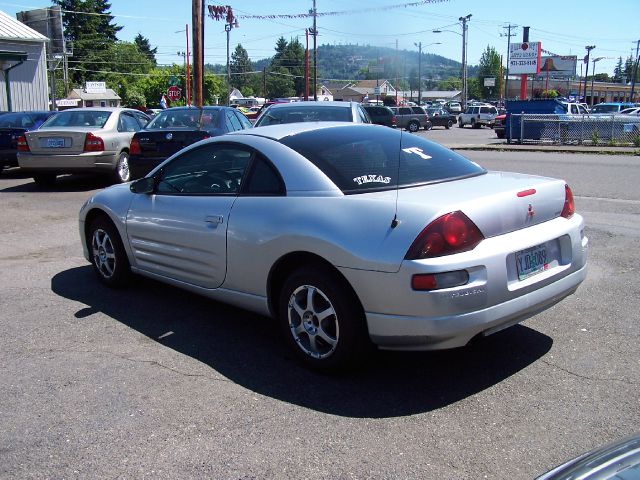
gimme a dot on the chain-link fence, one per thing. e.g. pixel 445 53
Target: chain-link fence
pixel 573 129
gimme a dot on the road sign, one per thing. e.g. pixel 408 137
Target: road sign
pixel 174 93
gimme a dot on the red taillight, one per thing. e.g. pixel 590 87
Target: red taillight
pixel 93 143
pixel 394 121
pixel 424 281
pixel 134 148
pixel 22 144
pixel 448 234
pixel 569 208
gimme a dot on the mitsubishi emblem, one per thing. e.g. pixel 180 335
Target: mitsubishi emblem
pixel 169 136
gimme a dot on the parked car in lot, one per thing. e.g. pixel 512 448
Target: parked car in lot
pixel 499 125
pixel 177 127
pixel 313 111
pixel 381 115
pixel 412 118
pixel 440 117
pixel 453 107
pixel 347 234
pixel 610 108
pixel 81 140
pixel 619 460
pixel 477 116
pixel 12 126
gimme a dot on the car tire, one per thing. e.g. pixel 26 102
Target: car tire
pixel 460 124
pixel 44 180
pixel 428 126
pixel 337 341
pixel 122 173
pixel 500 134
pixel 449 124
pixel 108 256
pixel 413 126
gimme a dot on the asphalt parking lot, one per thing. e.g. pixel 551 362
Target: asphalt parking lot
pixel 154 382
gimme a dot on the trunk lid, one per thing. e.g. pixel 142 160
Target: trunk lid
pixel 497 202
pixel 59 140
pixel 164 143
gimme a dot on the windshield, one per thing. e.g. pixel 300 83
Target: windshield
pixel 181 118
pixel 360 159
pixel 78 118
pixel 304 113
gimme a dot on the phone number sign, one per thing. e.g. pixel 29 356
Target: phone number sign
pixel 524 58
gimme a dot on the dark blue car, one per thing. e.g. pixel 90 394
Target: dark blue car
pixel 175 128
pixel 12 126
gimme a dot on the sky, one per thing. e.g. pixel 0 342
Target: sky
pixel 564 27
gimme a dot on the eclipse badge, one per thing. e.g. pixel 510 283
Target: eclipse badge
pixel 169 136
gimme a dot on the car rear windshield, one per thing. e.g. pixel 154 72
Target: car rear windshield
pixel 182 118
pixel 362 158
pixel 78 118
pixel 13 120
pixel 304 113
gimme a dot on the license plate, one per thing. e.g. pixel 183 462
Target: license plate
pixel 55 142
pixel 531 261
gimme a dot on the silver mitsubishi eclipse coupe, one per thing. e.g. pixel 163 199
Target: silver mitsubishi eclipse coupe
pixel 348 234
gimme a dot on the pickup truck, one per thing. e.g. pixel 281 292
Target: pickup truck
pixel 412 118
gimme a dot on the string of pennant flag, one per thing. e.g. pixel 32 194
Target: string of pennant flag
pixel 220 12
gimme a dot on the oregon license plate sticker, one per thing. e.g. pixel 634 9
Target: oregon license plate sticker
pixel 531 261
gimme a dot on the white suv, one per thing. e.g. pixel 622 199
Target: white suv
pixel 477 115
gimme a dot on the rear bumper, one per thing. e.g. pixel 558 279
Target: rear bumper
pixel 77 163
pixel 433 333
pixel 140 166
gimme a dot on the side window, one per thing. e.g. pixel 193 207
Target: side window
pixel 231 122
pixel 405 111
pixel 574 109
pixel 208 170
pixel 142 119
pixel 126 123
pixel 263 179
pixel 364 116
pixel 244 121
pixel 485 110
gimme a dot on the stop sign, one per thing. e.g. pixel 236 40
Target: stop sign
pixel 174 93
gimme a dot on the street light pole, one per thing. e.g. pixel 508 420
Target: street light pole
pixel 464 21
pixel 227 28
pixel 586 73
pixel 593 75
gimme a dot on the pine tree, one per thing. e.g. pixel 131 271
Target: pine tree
pixel 240 66
pixel 145 48
pixel 88 25
pixel 618 73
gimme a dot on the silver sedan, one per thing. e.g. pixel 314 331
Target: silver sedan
pixel 349 235
pixel 81 140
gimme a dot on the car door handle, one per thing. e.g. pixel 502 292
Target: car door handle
pixel 214 219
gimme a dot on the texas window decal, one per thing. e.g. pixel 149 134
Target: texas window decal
pixel 371 179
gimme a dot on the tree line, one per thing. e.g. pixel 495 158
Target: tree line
pixel 131 69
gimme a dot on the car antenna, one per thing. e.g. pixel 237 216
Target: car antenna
pixel 395 222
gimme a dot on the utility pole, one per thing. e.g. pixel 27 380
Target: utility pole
pixel 464 21
pixel 508 35
pixel 306 65
pixel 419 45
pixel 635 71
pixel 586 73
pixel 523 77
pixel 197 14
pixel 315 52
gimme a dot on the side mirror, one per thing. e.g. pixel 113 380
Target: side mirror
pixel 144 185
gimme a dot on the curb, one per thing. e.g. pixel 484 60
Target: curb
pixel 549 149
